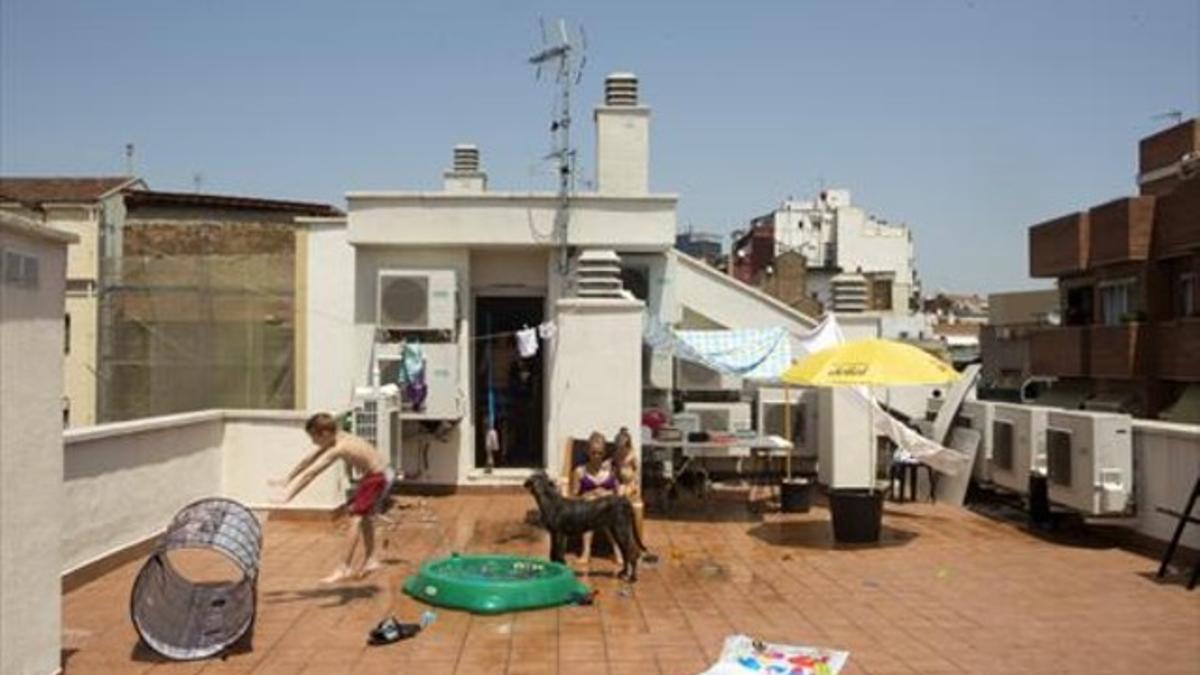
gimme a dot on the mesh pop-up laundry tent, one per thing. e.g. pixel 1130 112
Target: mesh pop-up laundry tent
pixel 185 618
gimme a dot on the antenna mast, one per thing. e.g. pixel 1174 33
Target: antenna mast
pixel 561 56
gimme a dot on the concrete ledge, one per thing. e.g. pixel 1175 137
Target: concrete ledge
pixel 297 513
pixel 140 426
pixel 1171 429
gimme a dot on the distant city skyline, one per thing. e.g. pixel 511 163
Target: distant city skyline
pixel 967 120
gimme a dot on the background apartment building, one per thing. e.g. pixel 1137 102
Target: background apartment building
pixel 1127 274
pixel 855 263
pixel 175 301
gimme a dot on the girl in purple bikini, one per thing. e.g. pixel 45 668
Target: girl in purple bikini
pixel 593 479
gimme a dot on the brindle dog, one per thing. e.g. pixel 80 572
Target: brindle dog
pixel 564 518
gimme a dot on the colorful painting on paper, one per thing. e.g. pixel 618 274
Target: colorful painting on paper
pixel 742 655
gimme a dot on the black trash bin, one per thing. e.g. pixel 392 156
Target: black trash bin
pixel 796 493
pixel 857 515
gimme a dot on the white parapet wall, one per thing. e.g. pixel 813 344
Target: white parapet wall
pixel 123 482
pixel 1166 460
pixel 32 289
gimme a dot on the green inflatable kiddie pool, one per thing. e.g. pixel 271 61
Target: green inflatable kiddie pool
pixel 494 584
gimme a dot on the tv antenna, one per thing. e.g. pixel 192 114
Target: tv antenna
pixel 1176 116
pixel 564 54
pixel 129 159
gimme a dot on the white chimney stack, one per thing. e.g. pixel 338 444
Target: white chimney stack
pixel 465 176
pixel 622 138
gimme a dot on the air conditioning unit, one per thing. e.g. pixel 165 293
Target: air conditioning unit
pixel 442 400
pixel 721 417
pixel 695 377
pixel 1018 444
pixel 979 415
pixel 1089 461
pixel 375 419
pixel 416 300
pixel 772 411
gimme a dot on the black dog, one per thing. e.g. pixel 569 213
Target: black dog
pixel 564 517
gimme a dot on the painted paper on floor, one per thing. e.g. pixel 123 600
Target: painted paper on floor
pixel 742 655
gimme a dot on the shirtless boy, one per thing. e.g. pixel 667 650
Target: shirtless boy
pixel 357 453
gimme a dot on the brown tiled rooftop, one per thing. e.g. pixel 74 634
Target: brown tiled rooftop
pixel 34 191
pixel 947 591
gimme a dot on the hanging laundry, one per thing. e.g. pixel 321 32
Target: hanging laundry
pixel 527 342
pixel 547 330
pixel 412 375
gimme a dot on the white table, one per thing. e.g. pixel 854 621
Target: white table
pixel 758 448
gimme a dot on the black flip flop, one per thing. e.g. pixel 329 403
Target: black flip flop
pixel 389 631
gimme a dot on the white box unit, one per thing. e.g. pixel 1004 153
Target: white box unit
pixel 374 419
pixel 772 411
pixel 844 440
pixel 659 368
pixel 416 300
pixel 443 400
pixel 979 415
pixel 1089 461
pixel 1018 444
pixel 721 417
pixel 695 377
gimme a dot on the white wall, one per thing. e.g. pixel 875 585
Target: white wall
pixel 622 150
pixel 453 459
pixel 123 481
pixel 260 445
pixel 596 372
pixel 425 219
pixel 329 317
pixel 1166 459
pixel 730 303
pixel 31 463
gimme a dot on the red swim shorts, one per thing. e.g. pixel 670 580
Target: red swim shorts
pixel 367 494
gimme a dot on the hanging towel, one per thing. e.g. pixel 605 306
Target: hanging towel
pixel 527 342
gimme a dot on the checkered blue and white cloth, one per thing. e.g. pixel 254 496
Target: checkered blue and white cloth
pixel 756 353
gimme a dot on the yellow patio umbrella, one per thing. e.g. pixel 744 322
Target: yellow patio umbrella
pixel 867 362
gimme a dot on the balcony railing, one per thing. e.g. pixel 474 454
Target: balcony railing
pixel 1060 352
pixel 1178 349
pixel 1119 231
pixel 1059 247
pixel 1118 352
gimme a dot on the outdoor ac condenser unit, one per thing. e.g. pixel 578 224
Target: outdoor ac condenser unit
pixel 979 415
pixel 1089 461
pixel 416 300
pixel 1018 444
pixel 695 377
pixel 722 417
pixel 374 419
pixel 443 400
pixel 772 411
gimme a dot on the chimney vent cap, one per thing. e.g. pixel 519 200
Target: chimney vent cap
pixel 621 89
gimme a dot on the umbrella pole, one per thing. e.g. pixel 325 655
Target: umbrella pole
pixel 787 427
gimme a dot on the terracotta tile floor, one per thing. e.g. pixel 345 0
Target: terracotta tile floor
pixel 949 591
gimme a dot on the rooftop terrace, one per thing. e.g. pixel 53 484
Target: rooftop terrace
pixel 948 591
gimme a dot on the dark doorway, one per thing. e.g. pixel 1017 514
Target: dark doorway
pixel 508 388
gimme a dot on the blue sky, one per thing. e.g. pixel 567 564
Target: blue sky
pixel 969 120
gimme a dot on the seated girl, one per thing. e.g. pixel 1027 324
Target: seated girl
pixel 593 479
pixel 625 465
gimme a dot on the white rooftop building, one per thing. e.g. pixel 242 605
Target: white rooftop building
pixel 453 275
